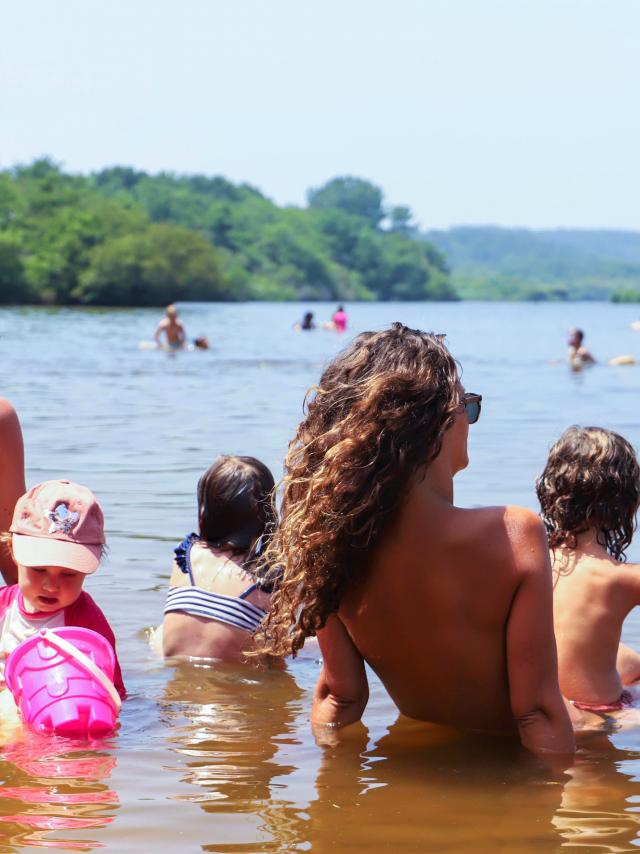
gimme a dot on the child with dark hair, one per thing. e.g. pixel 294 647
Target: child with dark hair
pixel 217 598
pixel 589 493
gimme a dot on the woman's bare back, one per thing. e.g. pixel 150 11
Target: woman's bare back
pixel 432 619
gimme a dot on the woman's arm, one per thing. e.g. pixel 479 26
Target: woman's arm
pixel 342 690
pixel 11 480
pixel 536 701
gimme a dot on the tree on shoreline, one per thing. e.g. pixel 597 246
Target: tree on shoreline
pixel 123 237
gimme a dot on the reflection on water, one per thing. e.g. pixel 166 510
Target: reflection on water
pixel 424 788
pixel 225 760
pixel 595 812
pixel 227 724
pixel 421 788
pixel 54 784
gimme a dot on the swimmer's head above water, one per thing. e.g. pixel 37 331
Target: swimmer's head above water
pixel 576 337
pixel 591 481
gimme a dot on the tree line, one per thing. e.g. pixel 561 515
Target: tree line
pixel 122 237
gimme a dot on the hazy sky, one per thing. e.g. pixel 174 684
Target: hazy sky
pixel 516 112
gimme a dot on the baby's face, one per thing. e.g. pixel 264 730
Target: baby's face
pixel 49 588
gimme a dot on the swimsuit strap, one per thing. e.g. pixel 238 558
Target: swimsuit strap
pixel 249 590
pixel 183 555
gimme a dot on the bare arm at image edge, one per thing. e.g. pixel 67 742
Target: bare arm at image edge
pixel 536 701
pixel 11 480
pixel 342 690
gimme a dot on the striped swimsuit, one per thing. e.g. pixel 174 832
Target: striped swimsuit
pixel 233 610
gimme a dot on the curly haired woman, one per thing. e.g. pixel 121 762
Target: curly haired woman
pixel 589 494
pixel 451 607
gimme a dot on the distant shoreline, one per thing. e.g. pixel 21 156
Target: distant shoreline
pixel 307 302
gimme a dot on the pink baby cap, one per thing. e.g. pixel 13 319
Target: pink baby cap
pixel 58 523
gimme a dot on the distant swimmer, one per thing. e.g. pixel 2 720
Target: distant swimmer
pixel 172 330
pixel 200 343
pixel 577 355
pixel 306 323
pixel 339 319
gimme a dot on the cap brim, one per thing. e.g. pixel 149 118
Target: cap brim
pixel 46 551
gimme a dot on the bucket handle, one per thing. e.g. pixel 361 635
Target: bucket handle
pixel 84 661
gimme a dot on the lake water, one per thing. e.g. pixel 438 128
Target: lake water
pixel 221 759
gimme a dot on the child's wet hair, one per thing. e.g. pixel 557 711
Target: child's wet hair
pixel 235 504
pixel 591 480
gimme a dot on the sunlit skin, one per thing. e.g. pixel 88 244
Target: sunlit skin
pixel 593 594
pixel 49 588
pixel 455 617
pixel 12 484
pixel 190 635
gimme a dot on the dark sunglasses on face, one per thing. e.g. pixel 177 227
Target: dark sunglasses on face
pixel 472 405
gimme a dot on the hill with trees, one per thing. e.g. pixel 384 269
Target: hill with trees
pixel 123 237
pixel 489 262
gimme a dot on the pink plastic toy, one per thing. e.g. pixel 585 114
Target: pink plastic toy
pixel 61 680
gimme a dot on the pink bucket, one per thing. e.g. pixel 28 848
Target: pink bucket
pixel 61 680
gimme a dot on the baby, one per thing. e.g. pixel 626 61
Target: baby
pixel 589 493
pixel 57 539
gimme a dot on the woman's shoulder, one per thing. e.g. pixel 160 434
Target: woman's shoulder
pixel 509 520
pixel 509 535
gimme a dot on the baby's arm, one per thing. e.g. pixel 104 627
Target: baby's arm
pixel 85 613
pixel 536 702
pixel 342 690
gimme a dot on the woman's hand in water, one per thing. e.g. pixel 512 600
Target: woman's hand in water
pixel 342 690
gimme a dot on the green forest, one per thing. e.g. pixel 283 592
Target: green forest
pixel 489 262
pixel 121 237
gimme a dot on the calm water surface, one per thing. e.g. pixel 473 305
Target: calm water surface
pixel 221 759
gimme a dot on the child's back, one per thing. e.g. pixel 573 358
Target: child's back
pixel 593 594
pixel 589 496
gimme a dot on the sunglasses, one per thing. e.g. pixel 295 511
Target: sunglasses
pixel 472 406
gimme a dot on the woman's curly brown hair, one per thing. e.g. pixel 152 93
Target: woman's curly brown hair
pixel 376 418
pixel 591 480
